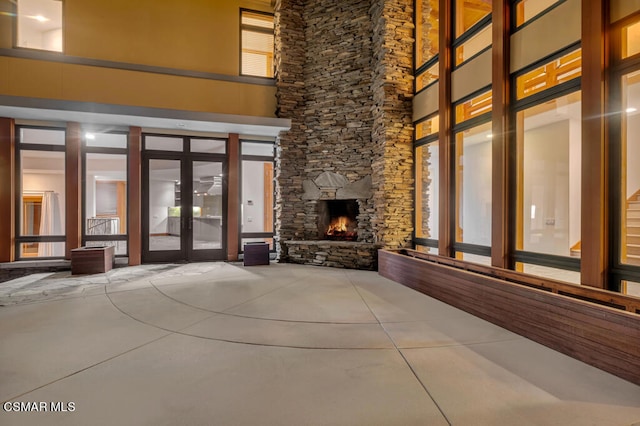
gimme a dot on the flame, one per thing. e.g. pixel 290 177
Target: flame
pixel 338 225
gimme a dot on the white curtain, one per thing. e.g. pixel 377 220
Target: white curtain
pixel 50 224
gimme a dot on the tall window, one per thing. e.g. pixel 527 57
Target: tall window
pixel 427 152
pixel 41 206
pixel 472 132
pixel 257 192
pixel 105 190
pixel 256 30
pixel 625 156
pixel 548 149
pixel 39 24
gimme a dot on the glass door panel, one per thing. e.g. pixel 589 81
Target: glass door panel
pixel 207 205
pixel 165 213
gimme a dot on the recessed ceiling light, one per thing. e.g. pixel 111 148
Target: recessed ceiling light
pixel 630 109
pixel 90 136
pixel 489 136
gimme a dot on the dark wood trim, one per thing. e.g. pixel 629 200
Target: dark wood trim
pixel 594 211
pixel 134 183
pixel 7 189
pixel 73 188
pixel 500 236
pixel 602 336
pixel 445 242
pixel 233 205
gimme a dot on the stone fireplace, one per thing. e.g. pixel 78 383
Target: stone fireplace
pixel 344 77
pixel 328 198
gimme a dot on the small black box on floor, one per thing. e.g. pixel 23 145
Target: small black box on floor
pixel 256 254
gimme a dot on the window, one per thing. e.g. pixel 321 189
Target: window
pixel 105 191
pixel 427 190
pixel 473 45
pixel 526 10
pixel 426 31
pixel 473 185
pixel 558 71
pixel 474 107
pixel 548 167
pixel 472 28
pixel 41 180
pixel 39 24
pixel 257 193
pixel 549 177
pixel 428 76
pixel 472 167
pixel 630 40
pixel 256 43
pixel 427 127
pixel 630 172
pixel 469 13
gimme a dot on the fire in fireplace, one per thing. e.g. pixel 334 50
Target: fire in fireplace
pixel 337 220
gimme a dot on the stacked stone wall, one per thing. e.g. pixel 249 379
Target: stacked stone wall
pixel 393 128
pixel 344 78
pixel 291 146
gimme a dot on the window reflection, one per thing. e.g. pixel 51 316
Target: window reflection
pixel 427 170
pixel 427 27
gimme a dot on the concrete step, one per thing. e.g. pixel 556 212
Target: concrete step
pixel 633 249
pixel 633 213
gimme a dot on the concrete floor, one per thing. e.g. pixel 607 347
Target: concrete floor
pixel 220 344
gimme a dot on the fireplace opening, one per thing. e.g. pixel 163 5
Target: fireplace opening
pixel 338 220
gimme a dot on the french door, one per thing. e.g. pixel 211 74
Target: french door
pixel 184 207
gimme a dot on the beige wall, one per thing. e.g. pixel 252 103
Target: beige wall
pixel 623 8
pixel 196 35
pixel 55 80
pixel 550 33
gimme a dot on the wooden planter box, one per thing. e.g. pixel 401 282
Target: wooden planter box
pixel 604 334
pixel 92 260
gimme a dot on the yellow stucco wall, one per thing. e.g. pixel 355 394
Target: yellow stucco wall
pixel 200 35
pixel 194 35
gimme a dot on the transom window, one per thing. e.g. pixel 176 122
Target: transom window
pixel 256 43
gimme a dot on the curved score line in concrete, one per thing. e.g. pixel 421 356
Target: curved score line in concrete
pixel 157 309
